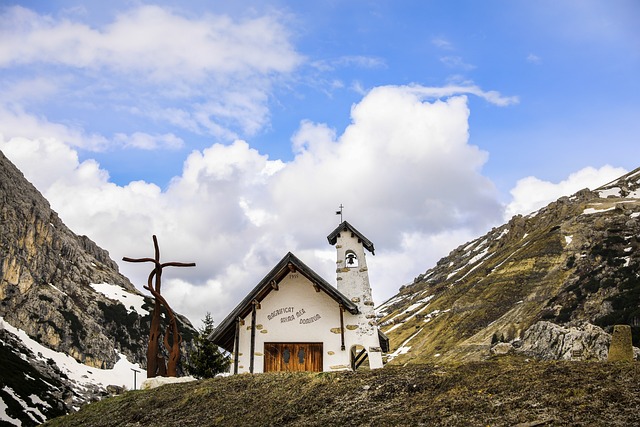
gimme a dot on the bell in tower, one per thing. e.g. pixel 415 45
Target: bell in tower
pixel 351 260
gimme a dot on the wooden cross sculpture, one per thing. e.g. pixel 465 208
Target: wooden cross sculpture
pixel 156 365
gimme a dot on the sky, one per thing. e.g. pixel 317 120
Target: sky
pixel 234 130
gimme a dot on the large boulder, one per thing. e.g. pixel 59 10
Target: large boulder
pixel 546 340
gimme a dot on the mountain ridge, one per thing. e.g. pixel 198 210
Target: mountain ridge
pixel 65 309
pixel 572 263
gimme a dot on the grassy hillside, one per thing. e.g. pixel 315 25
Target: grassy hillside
pixel 574 262
pixel 500 392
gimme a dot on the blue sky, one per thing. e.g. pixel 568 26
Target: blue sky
pixel 234 129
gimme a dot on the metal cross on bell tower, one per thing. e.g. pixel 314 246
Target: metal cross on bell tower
pixel 339 212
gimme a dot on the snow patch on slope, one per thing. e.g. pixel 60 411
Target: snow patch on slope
pixel 6 417
pixel 403 349
pixel 33 413
pixel 613 191
pixel 382 309
pixel 132 302
pixel 589 211
pixel 424 303
pixel 82 375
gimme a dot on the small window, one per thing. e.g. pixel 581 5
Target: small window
pixel 286 355
pixel 351 260
pixel 301 356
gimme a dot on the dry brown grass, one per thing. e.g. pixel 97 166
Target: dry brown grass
pixel 501 392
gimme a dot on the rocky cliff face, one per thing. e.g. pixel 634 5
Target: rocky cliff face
pixel 550 284
pixel 61 289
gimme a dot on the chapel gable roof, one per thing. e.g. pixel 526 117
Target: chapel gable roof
pixel 346 227
pixel 223 335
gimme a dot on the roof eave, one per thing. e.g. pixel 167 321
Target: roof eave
pixel 344 226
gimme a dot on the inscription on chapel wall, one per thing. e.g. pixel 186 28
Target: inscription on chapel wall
pixel 289 314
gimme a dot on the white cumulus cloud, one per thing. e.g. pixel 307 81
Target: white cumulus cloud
pixel 208 74
pixel 532 193
pixel 404 169
pixel 150 39
pixel 15 121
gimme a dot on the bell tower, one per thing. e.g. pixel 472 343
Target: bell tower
pixel 353 282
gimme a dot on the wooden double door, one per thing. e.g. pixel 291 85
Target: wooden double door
pixel 292 357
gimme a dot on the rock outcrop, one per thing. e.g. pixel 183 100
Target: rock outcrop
pixel 548 341
pixel 46 272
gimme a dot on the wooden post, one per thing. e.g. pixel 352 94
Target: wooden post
pixel 621 347
pixel 237 346
pixel 342 347
pixel 253 335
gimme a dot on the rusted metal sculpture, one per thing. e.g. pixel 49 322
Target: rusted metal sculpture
pixel 156 364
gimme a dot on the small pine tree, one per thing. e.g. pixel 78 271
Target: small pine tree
pixel 206 360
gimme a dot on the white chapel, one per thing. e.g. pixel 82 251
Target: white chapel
pixel 293 320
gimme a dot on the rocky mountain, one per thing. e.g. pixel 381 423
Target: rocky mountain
pixel 70 323
pixel 551 285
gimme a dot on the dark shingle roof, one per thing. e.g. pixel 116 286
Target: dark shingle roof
pixel 345 226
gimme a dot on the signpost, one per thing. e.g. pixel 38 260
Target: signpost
pixel 135 383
